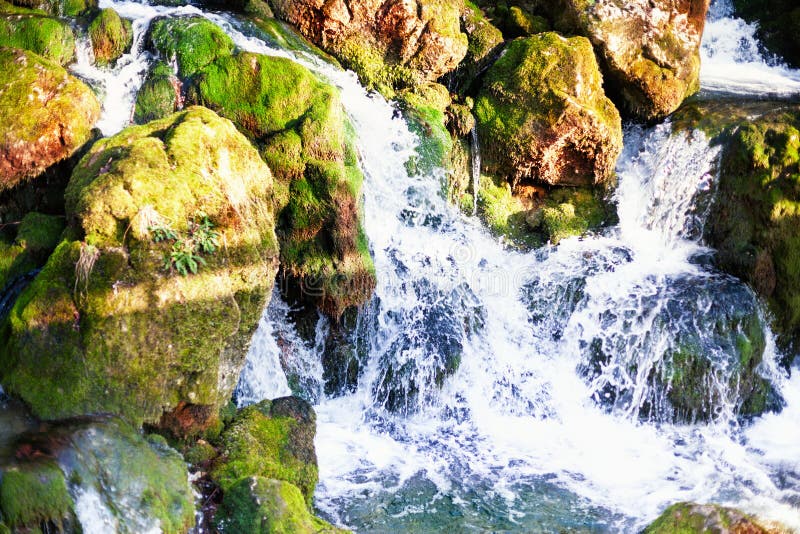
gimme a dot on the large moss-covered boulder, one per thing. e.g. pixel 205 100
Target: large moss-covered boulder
pixel 543 117
pixel 778 25
pixel 649 50
pixel 272 439
pixel 111 36
pixel 151 303
pixel 755 218
pixel 260 505
pixel 692 518
pixel 48 115
pixel 389 43
pixel 49 37
pixel 190 42
pixel 299 124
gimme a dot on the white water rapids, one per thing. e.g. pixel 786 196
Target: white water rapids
pixel 516 439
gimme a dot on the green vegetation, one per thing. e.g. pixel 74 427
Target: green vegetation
pixel 193 42
pixel 34 495
pixel 49 37
pixel 111 36
pixel 688 518
pixel 37 236
pixel 158 96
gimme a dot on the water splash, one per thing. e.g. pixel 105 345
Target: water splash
pixel 732 59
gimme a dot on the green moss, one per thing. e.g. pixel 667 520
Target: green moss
pixel 193 42
pixel 49 37
pixel 33 494
pixel 59 8
pixel 111 36
pixel 688 518
pixel 504 214
pixel 285 37
pixel 157 97
pixel 260 505
pixel 522 22
pixel 11 9
pixel 572 213
pixel 37 236
pixel 264 443
pixel 103 328
pixel 435 143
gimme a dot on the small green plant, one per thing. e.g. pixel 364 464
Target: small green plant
pixel 185 255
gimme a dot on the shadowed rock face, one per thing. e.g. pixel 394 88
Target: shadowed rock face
pixel 421 35
pixel 544 116
pixel 53 114
pixel 649 50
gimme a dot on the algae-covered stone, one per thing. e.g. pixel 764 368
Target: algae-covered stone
pixel 691 518
pixel 484 42
pixel 34 496
pixel 390 44
pixel 111 36
pixel 756 213
pixel 49 37
pixel 778 25
pixel 48 113
pixel 191 42
pixel 543 117
pixel 649 50
pixel 273 439
pixel 260 505
pixel 159 96
pixel 59 8
pixel 111 324
pixel 37 236
pixel 304 136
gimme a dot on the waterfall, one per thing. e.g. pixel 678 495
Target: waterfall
pixel 475 149
pixel 531 432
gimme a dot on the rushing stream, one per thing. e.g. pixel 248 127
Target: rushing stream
pixel 528 434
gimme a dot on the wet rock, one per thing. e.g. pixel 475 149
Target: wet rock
pixel 390 43
pixel 191 42
pixel 32 30
pixel 34 496
pixel 49 115
pixel 543 116
pixel 778 25
pixel 159 96
pixel 649 50
pixel 59 8
pixel 154 305
pixel 111 36
pixel 484 44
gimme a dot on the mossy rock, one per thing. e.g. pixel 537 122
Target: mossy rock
pixel 273 439
pixel 191 42
pixel 34 495
pixel 689 518
pixel 299 124
pixel 543 117
pixel 40 131
pixel 111 36
pixel 571 212
pixel 754 218
pixel 260 505
pixel 521 22
pixel 159 95
pixel 37 236
pixel 484 44
pixel 59 8
pixel 504 214
pixel 778 25
pixel 110 325
pixel 49 37
pixel 425 110
pixel 649 52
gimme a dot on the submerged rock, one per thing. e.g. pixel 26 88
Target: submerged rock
pixel 390 43
pixel 543 116
pixel 649 50
pixel 48 113
pixel 117 321
pixel 111 36
pixel 49 37
pixel 689 517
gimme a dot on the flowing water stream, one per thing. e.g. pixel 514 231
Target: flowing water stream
pixel 532 433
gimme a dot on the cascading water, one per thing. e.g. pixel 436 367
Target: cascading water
pixel 498 391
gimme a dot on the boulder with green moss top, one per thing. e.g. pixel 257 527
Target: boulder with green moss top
pixel 34 497
pixel 111 36
pixel 484 44
pixel 37 236
pixel 543 117
pixel 649 50
pixel 49 37
pixel 59 8
pixel 159 96
pixel 425 110
pixel 117 321
pixel 778 25
pixel 191 42
pixel 391 44
pixel 689 518
pixel 300 127
pixel 48 113
pixel 272 439
pixel 756 213
pixel 261 505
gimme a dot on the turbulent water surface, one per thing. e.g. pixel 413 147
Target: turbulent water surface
pixel 526 435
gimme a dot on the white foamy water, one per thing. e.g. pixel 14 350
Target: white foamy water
pixel 522 437
pixel 732 60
